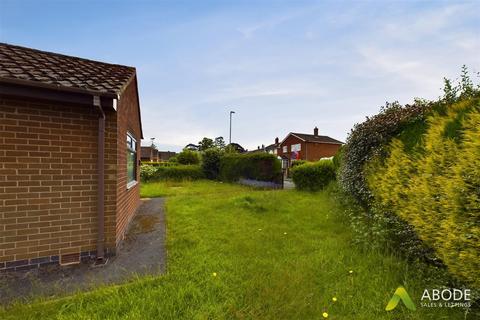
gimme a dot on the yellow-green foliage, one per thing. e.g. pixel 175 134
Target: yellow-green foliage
pixel 436 188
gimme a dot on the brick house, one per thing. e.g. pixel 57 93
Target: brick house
pixel 310 147
pixel 70 133
pixel 149 154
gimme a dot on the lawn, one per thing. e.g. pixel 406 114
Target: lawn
pixel 240 253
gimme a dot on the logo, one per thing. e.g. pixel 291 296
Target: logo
pixel 400 294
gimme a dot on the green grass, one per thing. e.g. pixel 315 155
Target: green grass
pixel 276 255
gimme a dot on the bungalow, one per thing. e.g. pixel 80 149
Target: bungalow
pixel 70 133
pixel 149 154
pixel 166 155
pixel 310 147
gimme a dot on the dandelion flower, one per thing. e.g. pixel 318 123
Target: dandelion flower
pixel 351 271
pixel 259 229
pixel 325 315
pixel 214 274
pixel 334 299
pixel 284 233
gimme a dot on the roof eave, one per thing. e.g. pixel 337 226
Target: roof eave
pixel 37 84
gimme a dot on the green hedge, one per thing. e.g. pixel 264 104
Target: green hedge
pixel 256 166
pixel 437 188
pixel 179 172
pixel 313 176
pixel 211 163
pixel 186 157
pixel 369 137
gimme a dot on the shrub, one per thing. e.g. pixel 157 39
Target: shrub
pixel 437 190
pixel 179 172
pixel 187 157
pixel 211 163
pixel 368 138
pixel 296 163
pixel 256 166
pixel 313 176
pixel 147 172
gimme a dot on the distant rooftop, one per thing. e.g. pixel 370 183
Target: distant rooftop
pixel 316 138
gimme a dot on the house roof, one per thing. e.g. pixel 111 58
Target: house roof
pixel 20 65
pixel 313 138
pixel 272 146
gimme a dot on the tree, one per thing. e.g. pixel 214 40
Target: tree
pixel 205 144
pixel 188 157
pixel 219 143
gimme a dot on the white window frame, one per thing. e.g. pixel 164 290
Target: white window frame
pixel 132 147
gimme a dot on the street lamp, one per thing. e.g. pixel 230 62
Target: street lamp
pixel 230 137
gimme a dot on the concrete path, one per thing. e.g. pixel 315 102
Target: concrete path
pixel 141 253
pixel 288 184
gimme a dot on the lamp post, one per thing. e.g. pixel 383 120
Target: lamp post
pixel 230 136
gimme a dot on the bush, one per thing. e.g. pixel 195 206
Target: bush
pixel 147 172
pixel 313 176
pixel 187 157
pixel 211 163
pixel 179 172
pixel 368 138
pixel 437 190
pixel 255 166
pixel 296 163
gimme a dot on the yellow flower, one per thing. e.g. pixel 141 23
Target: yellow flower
pixel 259 229
pixel 214 274
pixel 284 233
pixel 334 299
pixel 351 271
pixel 325 315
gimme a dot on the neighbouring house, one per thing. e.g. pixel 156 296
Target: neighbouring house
pixel 310 147
pixel 273 148
pixel 236 147
pixel 166 155
pixel 192 147
pixel 149 154
pixel 70 132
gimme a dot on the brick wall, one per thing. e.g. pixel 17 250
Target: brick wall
pixel 309 151
pixel 316 151
pixel 48 180
pixel 128 121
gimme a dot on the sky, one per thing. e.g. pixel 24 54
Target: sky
pixel 282 66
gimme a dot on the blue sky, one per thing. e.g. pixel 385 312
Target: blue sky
pixel 281 65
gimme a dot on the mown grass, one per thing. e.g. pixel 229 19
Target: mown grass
pixel 240 253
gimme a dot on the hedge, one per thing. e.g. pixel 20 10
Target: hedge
pixel 186 157
pixel 436 189
pixel 179 172
pixel 211 163
pixel 255 166
pixel 368 138
pixel 313 176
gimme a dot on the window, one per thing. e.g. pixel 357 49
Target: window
pixel 285 149
pixel 131 160
pixel 296 147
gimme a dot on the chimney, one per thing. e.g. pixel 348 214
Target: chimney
pixel 276 140
pixel 315 131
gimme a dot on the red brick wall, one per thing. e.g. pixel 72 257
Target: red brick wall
pixel 48 180
pixel 316 151
pixel 128 121
pixel 309 151
pixel 289 142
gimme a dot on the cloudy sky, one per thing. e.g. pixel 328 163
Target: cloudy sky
pixel 280 65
